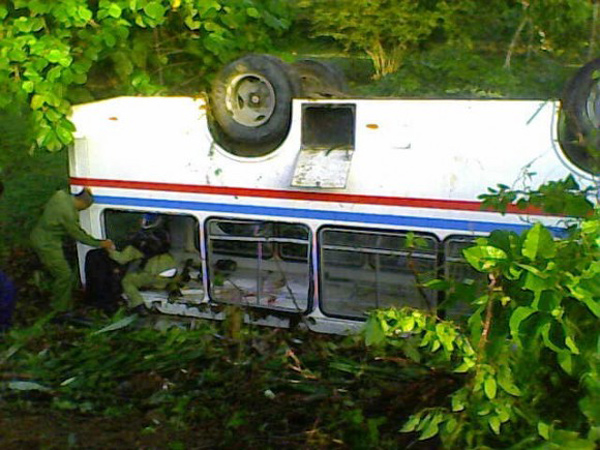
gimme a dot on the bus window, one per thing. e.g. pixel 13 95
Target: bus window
pixel 183 231
pixel 456 269
pixel 259 263
pixel 363 270
pixel 291 250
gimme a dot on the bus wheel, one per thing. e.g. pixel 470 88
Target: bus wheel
pixel 320 79
pixel 251 104
pixel 579 123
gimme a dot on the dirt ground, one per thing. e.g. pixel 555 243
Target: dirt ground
pixel 50 430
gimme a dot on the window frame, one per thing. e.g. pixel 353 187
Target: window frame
pixel 275 253
pixel 436 257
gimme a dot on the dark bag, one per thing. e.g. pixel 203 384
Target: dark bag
pixel 151 242
pixel 102 281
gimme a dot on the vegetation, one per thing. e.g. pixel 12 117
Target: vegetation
pixel 265 389
pixel 529 351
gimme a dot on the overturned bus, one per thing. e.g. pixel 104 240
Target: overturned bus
pixel 286 196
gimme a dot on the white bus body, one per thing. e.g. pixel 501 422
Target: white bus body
pixel 315 230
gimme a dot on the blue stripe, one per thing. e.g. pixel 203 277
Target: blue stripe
pixel 366 218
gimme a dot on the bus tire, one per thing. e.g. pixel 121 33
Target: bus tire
pixel 579 128
pixel 250 104
pixel 320 79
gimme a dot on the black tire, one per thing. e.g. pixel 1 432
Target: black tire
pixel 579 122
pixel 320 79
pixel 251 104
pixel 576 149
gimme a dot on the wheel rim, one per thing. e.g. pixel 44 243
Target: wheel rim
pixel 250 99
pixel 593 105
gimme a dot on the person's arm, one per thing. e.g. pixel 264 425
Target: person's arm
pixel 128 254
pixel 71 224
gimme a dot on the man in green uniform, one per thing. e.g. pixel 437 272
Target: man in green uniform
pixel 156 268
pixel 60 220
pixel 158 272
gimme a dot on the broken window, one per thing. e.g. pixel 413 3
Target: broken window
pixel 259 263
pixel 124 227
pixel 363 270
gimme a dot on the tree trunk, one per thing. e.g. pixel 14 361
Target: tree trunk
pixel 513 43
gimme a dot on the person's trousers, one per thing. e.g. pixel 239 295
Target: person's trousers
pixel 63 278
pixel 133 281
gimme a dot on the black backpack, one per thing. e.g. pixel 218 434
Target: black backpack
pixel 103 281
pixel 151 242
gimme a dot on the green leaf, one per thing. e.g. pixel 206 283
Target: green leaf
pixel 490 387
pixel 205 7
pixel 545 332
pixel 114 10
pixel 59 56
pixel 494 423
pixel 451 425
pixel 23 24
pixel 64 135
pixel 517 317
pixel 505 381
pixel 37 101
pixel 54 55
pixel 27 86
pixel 54 73
pixel 52 115
pixel 544 430
pixel 84 13
pixel 411 424
pixel 483 257
pixel 437 284
pixel 155 10
pixel 538 242
pixel 590 407
pixel 191 23
pixel 374 333
pixel 26 386
pixel 126 321
pixel 464 367
pixel 253 12
pixel 458 403
pixel 570 343
pixel 110 39
pixel 432 427
pixel 565 361
pixel 16 54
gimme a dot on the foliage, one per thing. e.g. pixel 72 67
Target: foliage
pixel 384 30
pixel 543 32
pixel 266 389
pixel 53 53
pixel 456 71
pixel 530 350
pixel 562 197
pixel 29 181
pixel 390 32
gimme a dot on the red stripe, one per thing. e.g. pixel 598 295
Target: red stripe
pixel 461 205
